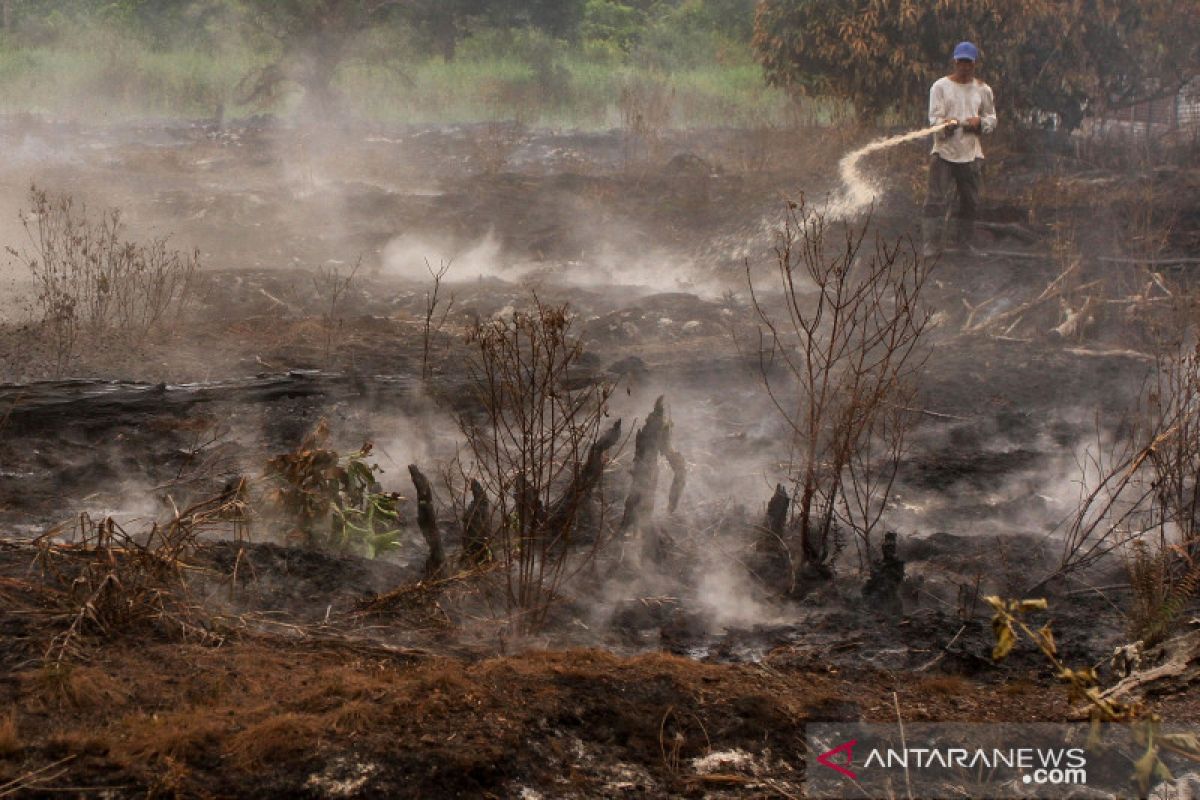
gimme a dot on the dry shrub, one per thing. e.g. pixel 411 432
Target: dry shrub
pixel 493 147
pixel 1163 580
pixel 331 285
pixel 1144 499
pixel 839 354
pixel 537 450
pixel 646 107
pixel 1011 621
pixel 92 281
pixel 285 737
pixel 10 737
pixel 106 583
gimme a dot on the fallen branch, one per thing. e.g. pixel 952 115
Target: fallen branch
pixel 945 649
pixel 1052 290
pixel 1147 261
pixel 31 780
pixel 1083 351
pixel 1179 670
pixel 1074 318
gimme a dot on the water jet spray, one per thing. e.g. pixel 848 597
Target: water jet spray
pixel 859 191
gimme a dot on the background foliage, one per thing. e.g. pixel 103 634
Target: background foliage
pixel 540 61
pixel 571 61
pixel 1042 57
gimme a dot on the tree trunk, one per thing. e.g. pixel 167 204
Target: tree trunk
pixel 476 548
pixel 773 560
pixel 679 481
pixel 648 446
pixel 427 522
pixel 777 511
pixel 446 35
pixel 566 509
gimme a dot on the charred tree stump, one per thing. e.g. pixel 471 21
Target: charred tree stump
pixel 776 521
pixel 477 545
pixel 531 514
pixel 882 588
pixel 647 447
pixel 427 522
pixel 564 515
pixel 652 441
pixel 679 480
pixel 774 559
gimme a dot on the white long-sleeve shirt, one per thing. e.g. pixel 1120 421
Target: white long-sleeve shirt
pixel 961 101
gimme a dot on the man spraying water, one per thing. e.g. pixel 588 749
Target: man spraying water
pixel 965 106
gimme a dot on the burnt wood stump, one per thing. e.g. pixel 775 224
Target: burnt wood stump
pixel 427 522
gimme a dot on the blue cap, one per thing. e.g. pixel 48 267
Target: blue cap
pixel 967 51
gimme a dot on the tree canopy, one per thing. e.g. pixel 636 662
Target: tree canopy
pixel 1042 57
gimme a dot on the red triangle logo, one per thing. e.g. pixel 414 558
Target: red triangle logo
pixel 844 747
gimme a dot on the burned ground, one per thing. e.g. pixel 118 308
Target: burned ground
pixel 322 674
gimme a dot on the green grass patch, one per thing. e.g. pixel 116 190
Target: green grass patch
pixel 109 77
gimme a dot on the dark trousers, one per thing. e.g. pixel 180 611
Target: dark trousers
pixel 944 177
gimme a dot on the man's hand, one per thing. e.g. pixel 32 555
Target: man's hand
pixel 973 125
pixel 951 125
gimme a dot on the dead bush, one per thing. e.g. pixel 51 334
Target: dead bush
pixel 435 315
pixel 646 107
pixel 331 284
pixel 91 281
pixel 494 146
pixel 105 583
pixel 538 450
pixel 1141 496
pixel 838 350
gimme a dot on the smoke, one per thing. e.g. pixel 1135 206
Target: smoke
pixel 729 479
pixel 426 437
pixel 410 256
pixel 608 265
pixel 727 595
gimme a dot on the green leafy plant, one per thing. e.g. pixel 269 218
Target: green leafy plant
pixel 334 500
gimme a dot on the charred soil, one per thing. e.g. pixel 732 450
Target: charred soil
pixel 250 665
